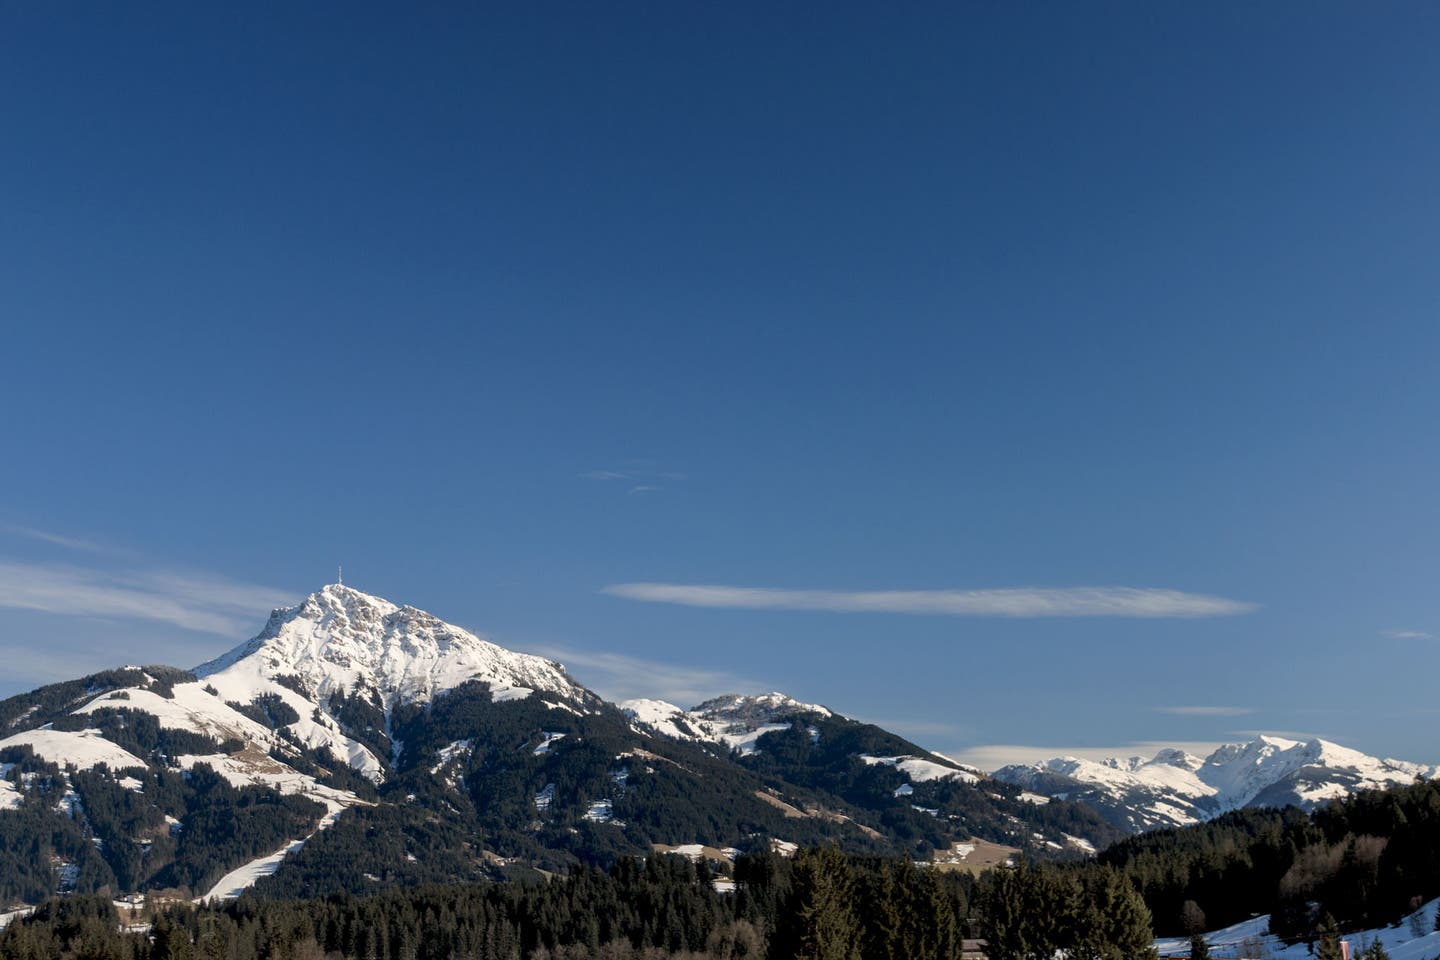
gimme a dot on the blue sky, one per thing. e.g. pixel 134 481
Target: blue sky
pixel 904 328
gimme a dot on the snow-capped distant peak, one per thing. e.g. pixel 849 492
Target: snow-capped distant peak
pixel 1175 788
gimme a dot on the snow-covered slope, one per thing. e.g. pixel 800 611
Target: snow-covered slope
pixel 341 642
pixel 1175 788
pixel 1252 938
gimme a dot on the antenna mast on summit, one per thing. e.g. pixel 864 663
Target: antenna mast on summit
pixel 340 575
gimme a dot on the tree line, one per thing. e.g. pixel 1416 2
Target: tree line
pixel 822 905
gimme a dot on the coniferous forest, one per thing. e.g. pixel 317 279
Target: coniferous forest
pixel 1359 862
pixel 819 905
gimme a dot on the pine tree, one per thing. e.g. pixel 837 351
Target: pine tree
pixel 883 921
pixel 1199 949
pixel 1329 945
pixel 1130 923
pixel 819 922
pixel 1006 923
pixel 1376 951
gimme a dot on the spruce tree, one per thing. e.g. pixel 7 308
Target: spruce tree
pixel 1329 946
pixel 1376 951
pixel 1199 949
pixel 1006 922
pixel 1130 926
pixel 819 922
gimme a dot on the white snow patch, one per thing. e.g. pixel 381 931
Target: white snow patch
pixel 918 768
pixel 600 812
pixel 447 753
pixel 10 795
pixel 1397 940
pixel 236 881
pixel 5 918
pixel 191 708
pixel 81 748
pixel 245 771
pixel 746 741
pixel 550 738
pixel 691 851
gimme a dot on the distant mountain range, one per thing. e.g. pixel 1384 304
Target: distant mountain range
pixel 355 743
pixel 1175 788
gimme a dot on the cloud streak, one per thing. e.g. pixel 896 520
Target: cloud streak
pixel 56 539
pixel 1206 711
pixel 619 677
pixel 1012 602
pixel 199 602
pixel 639 480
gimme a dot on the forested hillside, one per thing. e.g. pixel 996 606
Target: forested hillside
pixel 820 905
pixel 393 748
pixel 1367 860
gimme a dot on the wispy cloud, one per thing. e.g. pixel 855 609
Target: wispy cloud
pixel 1014 602
pixel 1206 711
pixel 917 728
pixel 206 603
pixel 995 756
pixel 616 676
pixel 641 478
pixel 56 539
pixel 1407 634
pixel 1301 735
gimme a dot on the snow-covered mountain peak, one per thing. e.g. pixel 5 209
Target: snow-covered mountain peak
pixel 339 604
pixel 735 721
pixel 342 641
pixel 1178 758
pixel 767 705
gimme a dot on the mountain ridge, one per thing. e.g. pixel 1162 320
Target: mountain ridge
pixel 1174 788
pixel 355 742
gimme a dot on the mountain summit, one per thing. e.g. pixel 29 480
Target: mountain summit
pixel 340 641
